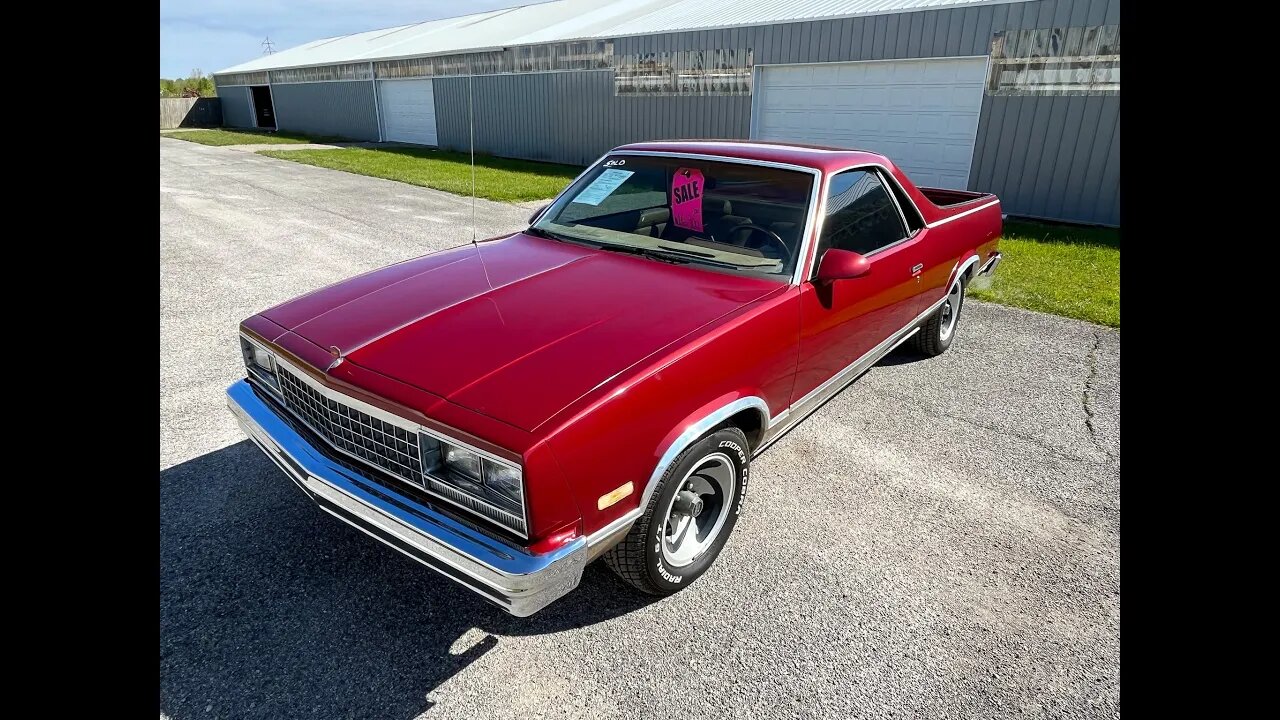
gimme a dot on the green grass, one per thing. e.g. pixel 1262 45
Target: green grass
pixel 244 137
pixel 1059 269
pixel 496 178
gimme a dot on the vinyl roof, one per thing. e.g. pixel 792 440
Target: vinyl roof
pixel 564 20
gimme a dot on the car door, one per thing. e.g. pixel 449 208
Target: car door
pixel 843 321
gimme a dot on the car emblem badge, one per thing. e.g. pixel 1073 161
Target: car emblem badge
pixel 336 352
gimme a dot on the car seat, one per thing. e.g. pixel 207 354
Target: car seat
pixel 721 227
pixel 653 222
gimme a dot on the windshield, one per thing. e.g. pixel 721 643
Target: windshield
pixel 731 217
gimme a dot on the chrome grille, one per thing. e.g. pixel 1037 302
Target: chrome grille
pixel 377 442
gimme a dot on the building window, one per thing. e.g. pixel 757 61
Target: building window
pixel 1056 61
pixel 580 55
pixel 326 73
pixel 254 78
pixel 688 72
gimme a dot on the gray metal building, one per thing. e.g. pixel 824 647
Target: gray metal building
pixel 1016 97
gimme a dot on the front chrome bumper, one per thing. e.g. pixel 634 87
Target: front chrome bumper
pixel 517 581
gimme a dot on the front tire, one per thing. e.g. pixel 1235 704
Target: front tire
pixel 937 333
pixel 689 517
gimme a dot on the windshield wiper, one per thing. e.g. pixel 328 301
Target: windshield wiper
pixel 678 256
pixel 665 254
pixel 539 232
pixel 633 250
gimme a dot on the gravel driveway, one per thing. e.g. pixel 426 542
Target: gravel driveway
pixel 942 539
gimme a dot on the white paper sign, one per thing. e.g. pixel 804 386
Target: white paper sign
pixel 603 186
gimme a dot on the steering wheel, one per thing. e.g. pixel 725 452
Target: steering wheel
pixel 769 234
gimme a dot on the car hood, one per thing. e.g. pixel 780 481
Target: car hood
pixel 515 329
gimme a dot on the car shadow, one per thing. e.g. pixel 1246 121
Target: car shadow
pixel 270 607
pixel 902 355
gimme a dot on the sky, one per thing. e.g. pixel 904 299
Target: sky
pixel 214 34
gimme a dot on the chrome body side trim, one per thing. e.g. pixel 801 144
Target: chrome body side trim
pixel 957 216
pixel 805 406
pixel 507 575
pixel 622 523
pixel 814 399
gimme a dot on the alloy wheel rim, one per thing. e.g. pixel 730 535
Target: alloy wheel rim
pixel 950 311
pixel 697 512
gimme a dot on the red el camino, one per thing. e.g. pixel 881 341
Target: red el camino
pixel 597 384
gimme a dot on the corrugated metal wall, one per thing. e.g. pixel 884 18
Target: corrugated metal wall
pixel 345 109
pixel 1051 157
pixel 237 109
pixel 574 117
pixel 1056 158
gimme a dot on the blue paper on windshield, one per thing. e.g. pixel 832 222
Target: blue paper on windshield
pixel 603 186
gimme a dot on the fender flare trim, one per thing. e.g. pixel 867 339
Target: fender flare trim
pixel 687 437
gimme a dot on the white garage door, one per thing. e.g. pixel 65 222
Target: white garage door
pixel 408 109
pixel 922 114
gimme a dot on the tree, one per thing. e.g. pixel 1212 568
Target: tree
pixel 197 84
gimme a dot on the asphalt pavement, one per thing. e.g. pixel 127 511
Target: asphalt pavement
pixel 940 540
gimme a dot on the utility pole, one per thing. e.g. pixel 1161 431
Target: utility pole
pixel 268 47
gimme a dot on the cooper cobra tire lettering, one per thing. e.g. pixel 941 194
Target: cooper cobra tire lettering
pixel 746 471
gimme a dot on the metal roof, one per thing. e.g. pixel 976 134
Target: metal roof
pixel 707 14
pixel 564 20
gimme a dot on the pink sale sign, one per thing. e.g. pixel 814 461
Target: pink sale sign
pixel 686 199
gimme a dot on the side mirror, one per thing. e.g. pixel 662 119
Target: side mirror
pixel 841 265
pixel 538 212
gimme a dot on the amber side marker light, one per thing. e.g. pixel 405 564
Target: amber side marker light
pixel 611 498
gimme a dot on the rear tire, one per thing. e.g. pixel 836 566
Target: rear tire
pixel 938 332
pixel 689 517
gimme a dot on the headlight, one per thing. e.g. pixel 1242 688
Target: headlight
pixel 463 462
pixel 260 362
pixel 504 480
pixel 479 483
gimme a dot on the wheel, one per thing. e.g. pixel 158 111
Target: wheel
pixel 689 517
pixel 939 330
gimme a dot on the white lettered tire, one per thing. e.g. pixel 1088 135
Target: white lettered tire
pixel 939 330
pixel 689 517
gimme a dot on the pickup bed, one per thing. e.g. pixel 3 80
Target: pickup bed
pixel 944 198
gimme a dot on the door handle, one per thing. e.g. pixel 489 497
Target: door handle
pixel 917 268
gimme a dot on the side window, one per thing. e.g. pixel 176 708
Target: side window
pixel 860 214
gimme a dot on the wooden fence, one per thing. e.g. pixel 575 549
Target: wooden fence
pixel 190 112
